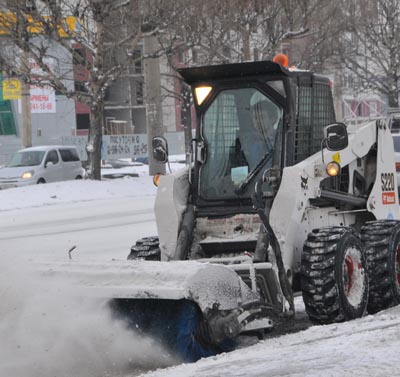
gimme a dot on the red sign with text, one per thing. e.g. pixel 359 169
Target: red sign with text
pixel 389 197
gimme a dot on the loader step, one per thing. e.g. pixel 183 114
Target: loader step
pixel 212 248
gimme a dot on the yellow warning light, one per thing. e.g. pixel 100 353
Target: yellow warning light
pixel 333 169
pixel 201 93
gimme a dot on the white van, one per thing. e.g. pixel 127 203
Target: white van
pixel 41 165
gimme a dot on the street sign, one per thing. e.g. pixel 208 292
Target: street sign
pixel 11 89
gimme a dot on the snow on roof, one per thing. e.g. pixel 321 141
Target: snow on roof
pixel 45 148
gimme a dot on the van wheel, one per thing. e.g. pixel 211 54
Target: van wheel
pixel 78 177
pixel 41 180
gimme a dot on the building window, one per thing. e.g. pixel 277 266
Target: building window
pixel 80 86
pixel 137 67
pixel 139 93
pixel 360 111
pixel 347 109
pixel 82 121
pixel 373 109
pixel 79 56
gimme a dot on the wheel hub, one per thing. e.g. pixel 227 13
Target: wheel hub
pixel 348 270
pixel 353 276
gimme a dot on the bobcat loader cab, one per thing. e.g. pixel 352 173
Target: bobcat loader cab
pixel 251 118
pixel 278 198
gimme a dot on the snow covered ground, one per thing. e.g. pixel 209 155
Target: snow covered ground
pixel 43 334
pixel 364 347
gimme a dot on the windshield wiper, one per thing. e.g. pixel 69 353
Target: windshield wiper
pixel 254 172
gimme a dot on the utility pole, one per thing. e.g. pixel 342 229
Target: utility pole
pixel 25 86
pixel 153 100
pixel 26 113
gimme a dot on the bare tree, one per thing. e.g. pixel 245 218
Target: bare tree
pixel 314 48
pixel 222 31
pixel 188 32
pixel 369 46
pixel 228 31
pixel 34 28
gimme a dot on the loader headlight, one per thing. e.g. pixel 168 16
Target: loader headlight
pixel 156 179
pixel 333 169
pixel 27 174
pixel 201 93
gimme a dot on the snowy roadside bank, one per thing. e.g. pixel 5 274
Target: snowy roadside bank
pixel 363 347
pixel 75 191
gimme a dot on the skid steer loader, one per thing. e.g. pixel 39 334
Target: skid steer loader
pixel 278 198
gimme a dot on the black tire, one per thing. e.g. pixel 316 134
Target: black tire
pixel 382 245
pixel 40 181
pixel 147 248
pixel 78 177
pixel 334 279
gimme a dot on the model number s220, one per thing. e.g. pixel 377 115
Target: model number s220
pixel 388 188
pixel 387 180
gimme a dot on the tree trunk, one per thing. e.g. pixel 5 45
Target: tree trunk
pixel 93 147
pixel 246 44
pixel 393 97
pixel 187 121
pixel 153 102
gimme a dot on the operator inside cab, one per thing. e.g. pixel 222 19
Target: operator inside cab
pixel 258 138
pixel 241 129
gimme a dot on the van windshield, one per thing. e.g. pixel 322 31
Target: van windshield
pixel 28 158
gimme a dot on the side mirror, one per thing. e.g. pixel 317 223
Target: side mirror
pixel 160 149
pixel 48 163
pixel 335 136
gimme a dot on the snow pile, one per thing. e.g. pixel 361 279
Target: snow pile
pixel 75 191
pixel 364 347
pixel 202 283
pixel 86 190
pixel 45 335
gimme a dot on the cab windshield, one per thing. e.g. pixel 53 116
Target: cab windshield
pixel 28 158
pixel 241 130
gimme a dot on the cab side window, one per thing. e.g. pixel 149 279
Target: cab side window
pixel 52 156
